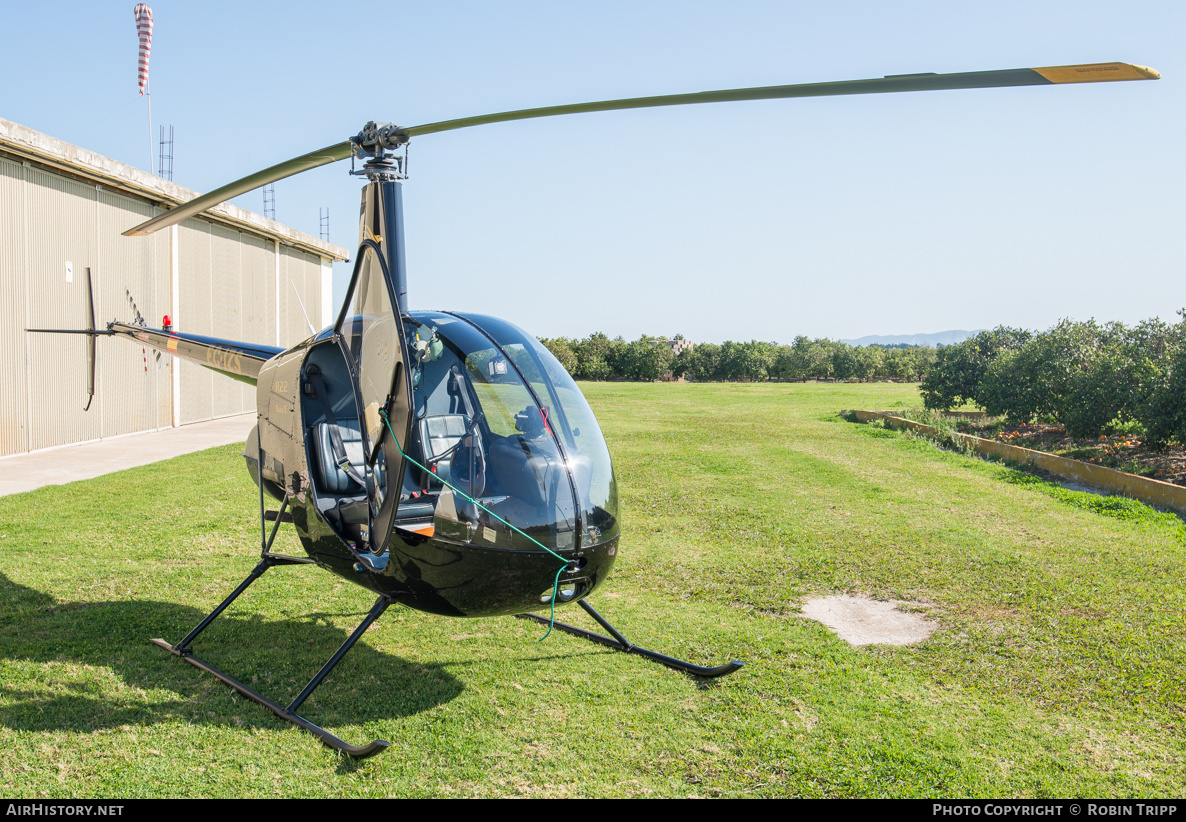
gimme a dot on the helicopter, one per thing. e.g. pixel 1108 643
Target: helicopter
pixel 444 460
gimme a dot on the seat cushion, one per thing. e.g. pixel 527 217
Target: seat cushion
pixel 336 480
pixel 442 432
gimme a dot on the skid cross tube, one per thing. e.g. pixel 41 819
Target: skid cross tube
pixel 288 714
pixel 620 643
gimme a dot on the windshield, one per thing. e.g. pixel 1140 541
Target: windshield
pixel 485 448
pixel 570 417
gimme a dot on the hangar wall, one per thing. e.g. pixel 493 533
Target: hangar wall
pixel 213 277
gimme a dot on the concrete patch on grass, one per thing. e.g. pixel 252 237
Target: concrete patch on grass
pixel 864 621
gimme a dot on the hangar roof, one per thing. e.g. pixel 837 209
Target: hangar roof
pixel 19 142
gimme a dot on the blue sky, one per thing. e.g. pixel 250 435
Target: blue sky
pixel 833 217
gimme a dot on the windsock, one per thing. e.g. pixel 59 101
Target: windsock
pixel 144 31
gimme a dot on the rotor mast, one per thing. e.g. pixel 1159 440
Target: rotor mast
pixel 381 216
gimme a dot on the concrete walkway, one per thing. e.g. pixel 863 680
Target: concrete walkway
pixel 70 463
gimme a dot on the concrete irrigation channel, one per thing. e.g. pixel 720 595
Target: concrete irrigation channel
pixel 1150 491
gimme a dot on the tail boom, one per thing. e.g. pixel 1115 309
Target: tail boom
pixel 238 360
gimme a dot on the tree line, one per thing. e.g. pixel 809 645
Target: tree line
pixel 1089 377
pixel 597 357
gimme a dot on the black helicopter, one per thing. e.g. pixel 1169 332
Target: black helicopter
pixel 443 460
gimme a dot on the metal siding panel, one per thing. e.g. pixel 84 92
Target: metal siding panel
pixel 193 239
pixel 290 308
pixel 163 280
pixel 255 274
pixel 225 306
pixel 304 272
pixel 287 303
pixel 270 295
pixel 258 313
pixel 313 288
pixel 312 293
pixel 327 292
pixel 13 391
pixel 298 326
pixel 129 377
pixel 61 228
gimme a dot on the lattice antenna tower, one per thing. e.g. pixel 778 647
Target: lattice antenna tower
pixel 165 164
pixel 270 201
pixel 324 213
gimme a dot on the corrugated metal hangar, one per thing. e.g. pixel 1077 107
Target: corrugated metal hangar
pixel 229 273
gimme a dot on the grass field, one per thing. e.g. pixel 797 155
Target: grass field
pixel 1057 669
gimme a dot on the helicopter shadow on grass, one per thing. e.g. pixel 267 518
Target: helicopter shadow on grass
pixel 595 655
pixel 73 642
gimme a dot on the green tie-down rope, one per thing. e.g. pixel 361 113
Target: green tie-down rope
pixel 559 571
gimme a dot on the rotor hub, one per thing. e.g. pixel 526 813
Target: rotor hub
pixel 375 138
pixel 372 144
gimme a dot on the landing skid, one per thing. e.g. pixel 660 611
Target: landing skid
pixel 289 713
pixel 620 643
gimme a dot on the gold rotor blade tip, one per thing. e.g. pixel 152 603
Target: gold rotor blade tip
pixel 1097 73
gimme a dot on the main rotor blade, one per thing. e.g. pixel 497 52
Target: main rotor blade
pixel 1087 73
pixel 1093 73
pixel 321 157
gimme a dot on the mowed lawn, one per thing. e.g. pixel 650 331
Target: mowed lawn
pixel 1056 670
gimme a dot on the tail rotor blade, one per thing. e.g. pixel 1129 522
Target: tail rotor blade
pixel 90 333
pixel 90 341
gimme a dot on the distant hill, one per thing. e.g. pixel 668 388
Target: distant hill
pixel 933 340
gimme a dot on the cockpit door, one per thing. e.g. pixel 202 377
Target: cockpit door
pixel 371 335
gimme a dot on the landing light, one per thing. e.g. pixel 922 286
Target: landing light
pixel 565 593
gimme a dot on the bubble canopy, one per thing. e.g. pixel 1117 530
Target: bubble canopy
pixel 497 420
